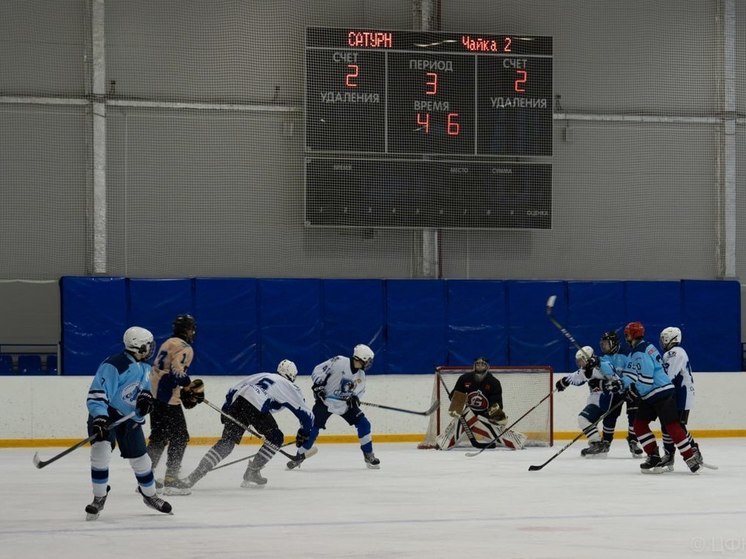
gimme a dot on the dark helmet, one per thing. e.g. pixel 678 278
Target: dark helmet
pixel 185 327
pixel 609 342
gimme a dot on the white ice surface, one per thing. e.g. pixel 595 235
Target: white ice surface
pixel 420 504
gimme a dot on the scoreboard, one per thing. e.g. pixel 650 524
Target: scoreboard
pixel 407 94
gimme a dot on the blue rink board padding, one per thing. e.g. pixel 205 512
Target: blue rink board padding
pixel 416 336
pixel 354 312
pixel 227 341
pixel 94 317
pixel 584 299
pixel 476 322
pixel 247 325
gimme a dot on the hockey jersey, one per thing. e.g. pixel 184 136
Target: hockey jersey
pixel 644 368
pixel 116 386
pixel 677 367
pixel 340 382
pixel 269 393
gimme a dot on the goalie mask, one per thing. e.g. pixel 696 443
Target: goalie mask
pixel 481 368
pixel 139 342
pixel 287 369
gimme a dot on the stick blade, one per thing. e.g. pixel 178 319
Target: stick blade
pixel 432 409
pixel 37 461
pixel 550 303
pixel 535 468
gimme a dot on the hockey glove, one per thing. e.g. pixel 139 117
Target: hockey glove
pixel 193 394
pixel 319 391
pixel 590 364
pixel 144 404
pixel 614 385
pixel 353 402
pixel 561 384
pixel 100 428
pixel 632 395
pixel 497 414
pixel 301 437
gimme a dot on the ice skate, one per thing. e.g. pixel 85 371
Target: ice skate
pixel 597 449
pixel 155 502
pixel 296 461
pixel 95 508
pixel 172 485
pixel 694 461
pixel 634 447
pixel 651 465
pixel 666 464
pixel 252 477
pixel 371 461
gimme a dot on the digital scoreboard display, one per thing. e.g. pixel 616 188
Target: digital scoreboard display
pixel 428 93
pixel 396 193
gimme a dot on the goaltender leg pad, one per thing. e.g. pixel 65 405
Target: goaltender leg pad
pixel 449 436
pixel 486 432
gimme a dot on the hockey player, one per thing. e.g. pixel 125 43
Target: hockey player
pixel 477 411
pixel 677 367
pixel 610 347
pixel 644 376
pixel 121 386
pixel 252 401
pixel 169 377
pixel 338 384
pixel 595 372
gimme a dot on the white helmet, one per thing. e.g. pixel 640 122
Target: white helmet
pixel 288 369
pixel 363 354
pixel 670 336
pixel 582 355
pixel 139 342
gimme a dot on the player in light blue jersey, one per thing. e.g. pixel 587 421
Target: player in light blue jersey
pixel 610 347
pixel 121 387
pixel 338 384
pixel 252 401
pixel 677 367
pixel 594 372
pixel 644 376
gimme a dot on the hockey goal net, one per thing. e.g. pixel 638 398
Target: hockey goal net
pixel 523 388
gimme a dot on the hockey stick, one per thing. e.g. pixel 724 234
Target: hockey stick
pixel 582 433
pixel 427 412
pixel 39 463
pixel 250 430
pixel 509 427
pixel 550 306
pixel 311 452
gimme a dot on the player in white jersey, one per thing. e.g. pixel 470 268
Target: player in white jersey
pixel 677 367
pixel 252 401
pixel 599 399
pixel 338 384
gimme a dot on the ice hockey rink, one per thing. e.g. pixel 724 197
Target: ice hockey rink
pixel 421 503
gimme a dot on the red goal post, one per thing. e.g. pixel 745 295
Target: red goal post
pixel 523 388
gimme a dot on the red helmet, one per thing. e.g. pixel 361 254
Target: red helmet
pixel 634 331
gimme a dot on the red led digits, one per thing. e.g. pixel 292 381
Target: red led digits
pixel 520 83
pixel 453 127
pixel 352 75
pixel 423 119
pixel 431 84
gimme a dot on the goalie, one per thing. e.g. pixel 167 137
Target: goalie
pixel 477 411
